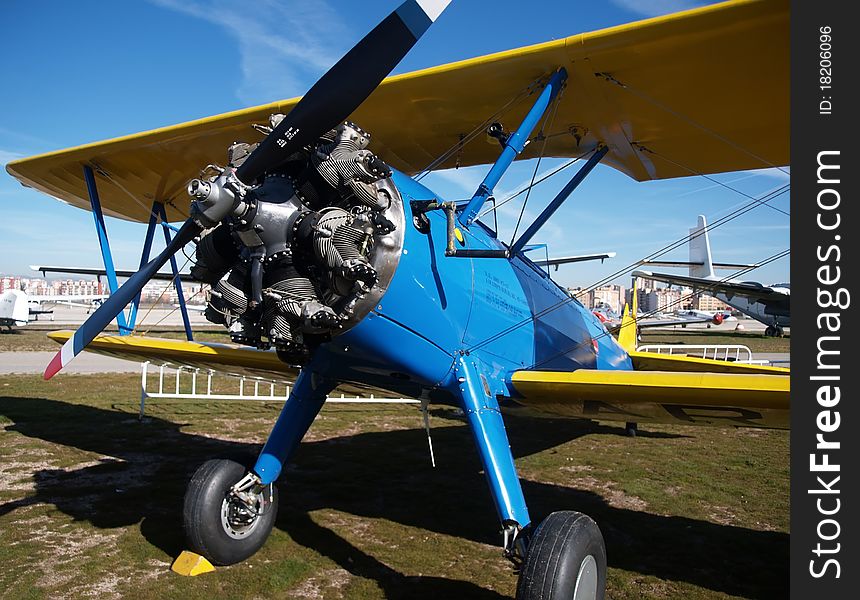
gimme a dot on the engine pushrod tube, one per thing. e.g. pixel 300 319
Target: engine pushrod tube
pixel 513 146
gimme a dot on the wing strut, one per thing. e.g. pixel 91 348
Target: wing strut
pixel 559 199
pixel 513 145
pixel 104 243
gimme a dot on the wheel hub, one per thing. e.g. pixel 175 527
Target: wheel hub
pixel 237 518
pixel 586 580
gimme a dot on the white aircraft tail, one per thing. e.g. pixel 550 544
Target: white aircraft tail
pixel 701 264
pixel 13 307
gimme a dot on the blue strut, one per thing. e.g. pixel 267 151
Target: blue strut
pixel 144 258
pixel 559 199
pixel 491 439
pixel 306 399
pixel 513 146
pixel 177 281
pixel 104 243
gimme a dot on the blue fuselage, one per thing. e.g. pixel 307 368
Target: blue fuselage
pixel 506 314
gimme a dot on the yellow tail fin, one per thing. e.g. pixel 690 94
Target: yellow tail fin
pixel 627 333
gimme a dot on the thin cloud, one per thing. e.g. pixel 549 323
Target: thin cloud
pixel 654 8
pixel 284 47
pixel 8 156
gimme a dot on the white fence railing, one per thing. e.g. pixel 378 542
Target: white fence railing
pixel 169 380
pixel 727 352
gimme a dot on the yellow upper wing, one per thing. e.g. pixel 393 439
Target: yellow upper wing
pixel 704 91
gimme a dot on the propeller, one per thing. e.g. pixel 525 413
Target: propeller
pixel 345 86
pixel 331 100
pixel 106 313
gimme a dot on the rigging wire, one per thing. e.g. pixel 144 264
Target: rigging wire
pixel 549 174
pixel 478 129
pixel 547 124
pixel 708 177
pixel 644 96
pixel 677 244
pixel 703 289
pixel 172 281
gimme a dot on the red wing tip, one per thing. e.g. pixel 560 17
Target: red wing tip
pixel 54 366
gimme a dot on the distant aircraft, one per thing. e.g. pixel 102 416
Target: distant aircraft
pixel 769 304
pixel 351 270
pixel 16 306
pixel 716 317
pixel 612 320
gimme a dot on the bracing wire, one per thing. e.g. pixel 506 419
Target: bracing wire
pixel 703 289
pixel 477 130
pixel 668 248
pixel 640 94
pixel 547 124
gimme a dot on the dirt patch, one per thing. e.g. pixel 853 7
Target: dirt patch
pixel 330 581
pixel 614 497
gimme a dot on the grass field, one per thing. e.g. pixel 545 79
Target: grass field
pixel 90 500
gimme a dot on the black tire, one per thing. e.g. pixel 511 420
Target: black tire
pixel 770 331
pixel 566 560
pixel 205 528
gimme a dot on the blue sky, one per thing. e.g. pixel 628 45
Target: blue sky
pixel 76 72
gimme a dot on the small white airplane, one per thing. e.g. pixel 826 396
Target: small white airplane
pixel 611 320
pixel 16 306
pixel 768 304
pixel 714 316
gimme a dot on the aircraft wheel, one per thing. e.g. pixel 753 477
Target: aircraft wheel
pixel 770 331
pixel 565 559
pixel 218 524
pixel 780 332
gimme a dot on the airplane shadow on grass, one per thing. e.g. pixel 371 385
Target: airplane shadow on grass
pixel 377 475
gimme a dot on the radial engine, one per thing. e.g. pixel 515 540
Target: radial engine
pixel 306 251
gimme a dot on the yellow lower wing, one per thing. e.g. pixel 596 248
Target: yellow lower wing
pixel 224 358
pixel 681 392
pixel 694 398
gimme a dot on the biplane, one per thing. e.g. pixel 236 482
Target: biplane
pixel 330 262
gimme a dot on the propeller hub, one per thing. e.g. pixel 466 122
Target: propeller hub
pixel 213 201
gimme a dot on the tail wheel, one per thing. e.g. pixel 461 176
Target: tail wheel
pixel 223 521
pixel 566 559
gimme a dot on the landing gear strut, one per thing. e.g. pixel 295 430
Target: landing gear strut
pixel 565 557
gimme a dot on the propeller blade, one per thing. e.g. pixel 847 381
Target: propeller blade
pixel 118 300
pixel 345 86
